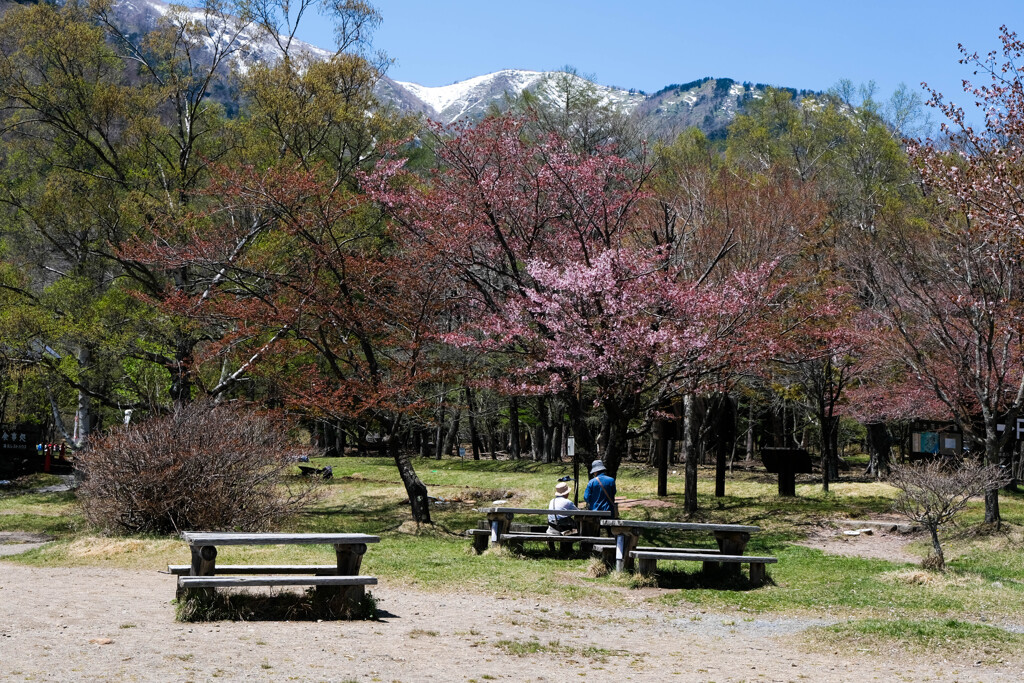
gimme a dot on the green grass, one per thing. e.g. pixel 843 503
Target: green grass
pixel 952 636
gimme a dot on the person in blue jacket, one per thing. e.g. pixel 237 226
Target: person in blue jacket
pixel 600 492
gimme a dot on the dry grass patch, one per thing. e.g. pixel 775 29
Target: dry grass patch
pixel 921 577
pixel 597 568
pixel 126 553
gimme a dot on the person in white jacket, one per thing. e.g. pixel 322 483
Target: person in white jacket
pixel 559 524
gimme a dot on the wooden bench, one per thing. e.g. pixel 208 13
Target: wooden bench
pixel 647 561
pixel 242 581
pixel 515 538
pixel 313 569
pixel 731 539
pixel 499 521
pixel 340 583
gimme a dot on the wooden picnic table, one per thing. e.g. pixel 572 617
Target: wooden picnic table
pixel 340 580
pixel 499 520
pixel 731 539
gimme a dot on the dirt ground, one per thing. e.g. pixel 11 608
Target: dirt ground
pixel 881 538
pixel 77 624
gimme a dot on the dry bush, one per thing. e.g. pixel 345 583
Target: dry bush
pixel 935 492
pixel 200 467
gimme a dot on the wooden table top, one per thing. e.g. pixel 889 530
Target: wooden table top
pixel 198 538
pixel 547 511
pixel 677 526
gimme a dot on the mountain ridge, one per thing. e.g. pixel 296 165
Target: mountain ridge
pixel 708 103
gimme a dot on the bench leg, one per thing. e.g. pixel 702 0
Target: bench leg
pixel 624 545
pixel 646 566
pixel 480 542
pixel 499 523
pixel 731 543
pixel 608 556
pixel 757 573
pixel 204 561
pixel 589 526
pixel 350 558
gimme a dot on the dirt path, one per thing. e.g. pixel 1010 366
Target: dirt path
pixel 55 624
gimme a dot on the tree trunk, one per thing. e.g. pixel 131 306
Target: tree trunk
pixel 555 447
pixel 879 448
pixel 537 433
pixel 586 446
pixel 474 435
pixel 690 449
pixel 414 488
pixel 83 413
pixel 181 382
pixel 661 456
pixel 361 438
pixel 615 443
pixel 513 427
pixel 439 432
pixel 451 439
pixel 750 433
pixel 934 531
pixel 723 420
pixel 491 432
pixel 992 455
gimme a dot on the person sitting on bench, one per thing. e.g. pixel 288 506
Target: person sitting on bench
pixel 560 524
pixel 600 492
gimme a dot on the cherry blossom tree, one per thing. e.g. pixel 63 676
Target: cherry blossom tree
pixel 952 289
pixel 311 297
pixel 559 277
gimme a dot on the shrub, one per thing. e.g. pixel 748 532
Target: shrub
pixel 936 492
pixel 200 467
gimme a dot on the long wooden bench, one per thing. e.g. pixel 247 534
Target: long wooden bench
pixel 341 584
pixel 499 522
pixel 608 551
pixel 314 569
pixel 647 561
pixel 243 581
pixel 731 538
pixel 518 537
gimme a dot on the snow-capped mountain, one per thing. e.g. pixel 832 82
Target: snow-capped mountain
pixel 709 104
pixel 472 97
pixel 246 42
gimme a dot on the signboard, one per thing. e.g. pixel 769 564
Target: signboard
pixel 570 446
pixel 18 453
pixel 787 463
pixel 1019 430
pixel 933 438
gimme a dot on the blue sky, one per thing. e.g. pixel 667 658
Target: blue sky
pixel 648 44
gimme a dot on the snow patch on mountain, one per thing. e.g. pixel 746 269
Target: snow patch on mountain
pixel 440 98
pixel 449 103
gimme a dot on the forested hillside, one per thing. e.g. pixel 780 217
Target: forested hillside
pixel 173 227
